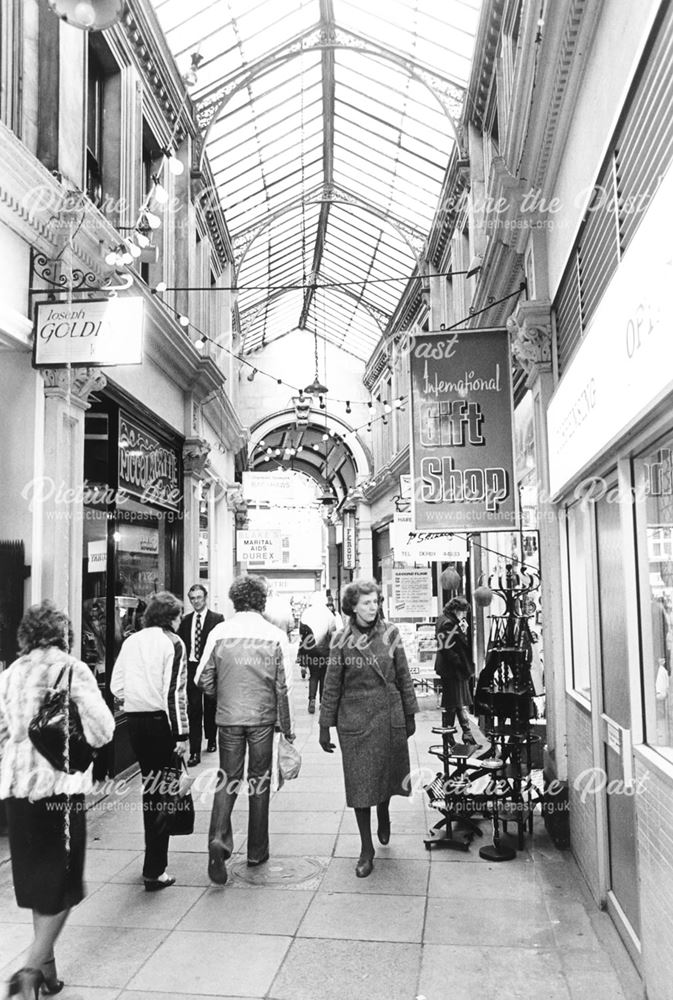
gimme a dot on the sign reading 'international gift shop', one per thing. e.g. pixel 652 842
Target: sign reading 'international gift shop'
pixel 91 333
pixel 461 431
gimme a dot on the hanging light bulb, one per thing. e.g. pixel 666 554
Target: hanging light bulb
pixel 161 287
pixel 153 221
pixel 251 376
pixel 348 406
pixel 175 165
pixel 325 437
pixel 89 16
pixel 111 257
pixel 125 257
pixel 191 76
pixel 141 239
pixel 159 192
pixel 133 249
pixel 202 341
pixel 183 321
pixel 398 402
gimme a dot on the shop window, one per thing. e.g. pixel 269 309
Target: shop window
pixel 204 531
pixel 103 122
pixel 654 489
pixel 578 576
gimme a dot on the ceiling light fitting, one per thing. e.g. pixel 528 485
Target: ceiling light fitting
pixel 94 15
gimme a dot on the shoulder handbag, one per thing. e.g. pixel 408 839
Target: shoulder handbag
pixel 56 730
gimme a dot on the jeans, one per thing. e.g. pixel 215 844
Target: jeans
pixel 200 711
pixel 153 745
pixel 233 741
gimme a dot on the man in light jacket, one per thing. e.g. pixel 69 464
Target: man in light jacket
pixel 243 667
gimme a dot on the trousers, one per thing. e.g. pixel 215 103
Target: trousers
pixel 200 711
pixel 233 743
pixel 153 744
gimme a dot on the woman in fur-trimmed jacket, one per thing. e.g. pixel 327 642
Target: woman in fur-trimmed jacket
pixel 369 697
pixel 45 807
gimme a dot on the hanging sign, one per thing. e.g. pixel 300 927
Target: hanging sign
pixel 278 489
pixel 148 468
pixel 461 431
pixel 411 546
pixel 412 593
pixel 91 332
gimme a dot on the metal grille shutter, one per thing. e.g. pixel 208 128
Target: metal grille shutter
pixel 640 155
pixel 645 141
pixel 598 249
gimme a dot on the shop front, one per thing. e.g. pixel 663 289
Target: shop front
pixel 610 448
pixel 133 533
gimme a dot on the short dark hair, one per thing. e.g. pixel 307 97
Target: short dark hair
pixel 352 592
pixel 43 625
pixel 458 604
pixel 248 593
pixel 161 609
pixel 197 586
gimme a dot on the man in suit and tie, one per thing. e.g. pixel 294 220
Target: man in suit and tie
pixel 194 630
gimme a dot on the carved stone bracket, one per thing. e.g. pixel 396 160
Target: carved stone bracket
pixel 74 384
pixel 195 457
pixel 530 327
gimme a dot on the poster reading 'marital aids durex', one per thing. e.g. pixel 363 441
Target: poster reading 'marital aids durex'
pixel 461 431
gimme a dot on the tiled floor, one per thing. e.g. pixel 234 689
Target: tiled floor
pixel 425 925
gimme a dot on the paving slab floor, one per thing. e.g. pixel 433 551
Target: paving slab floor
pixel 426 925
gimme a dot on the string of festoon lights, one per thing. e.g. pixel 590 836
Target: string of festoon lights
pixel 202 339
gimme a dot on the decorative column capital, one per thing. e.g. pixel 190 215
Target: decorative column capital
pixel 530 327
pixel 73 384
pixel 195 457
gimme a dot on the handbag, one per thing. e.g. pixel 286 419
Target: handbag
pixel 175 811
pixel 56 730
pixel 289 759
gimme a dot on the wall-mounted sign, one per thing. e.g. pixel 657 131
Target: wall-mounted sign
pixel 349 541
pixel 138 538
pixel 148 468
pixel 91 332
pixel 624 364
pixel 461 431
pixel 411 546
pixel 412 594
pixel 259 547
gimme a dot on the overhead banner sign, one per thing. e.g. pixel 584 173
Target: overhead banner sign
pixel 462 455
pixel 278 488
pixel 411 546
pixel 91 332
pixel 259 547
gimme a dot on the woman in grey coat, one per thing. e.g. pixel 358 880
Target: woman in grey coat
pixel 369 696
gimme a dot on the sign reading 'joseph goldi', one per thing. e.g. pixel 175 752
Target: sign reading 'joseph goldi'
pixel 91 332
pixel 461 431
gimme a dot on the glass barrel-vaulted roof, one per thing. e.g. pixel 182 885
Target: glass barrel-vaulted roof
pixel 328 127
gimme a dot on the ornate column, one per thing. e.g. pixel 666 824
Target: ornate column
pixel 61 492
pixel 194 463
pixel 530 327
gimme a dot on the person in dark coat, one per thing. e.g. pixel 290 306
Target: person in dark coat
pixel 369 697
pixel 454 664
pixel 194 631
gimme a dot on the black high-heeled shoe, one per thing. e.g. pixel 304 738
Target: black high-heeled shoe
pixel 27 983
pixel 51 984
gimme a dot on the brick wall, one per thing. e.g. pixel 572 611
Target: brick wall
pixel 583 838
pixel 654 805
